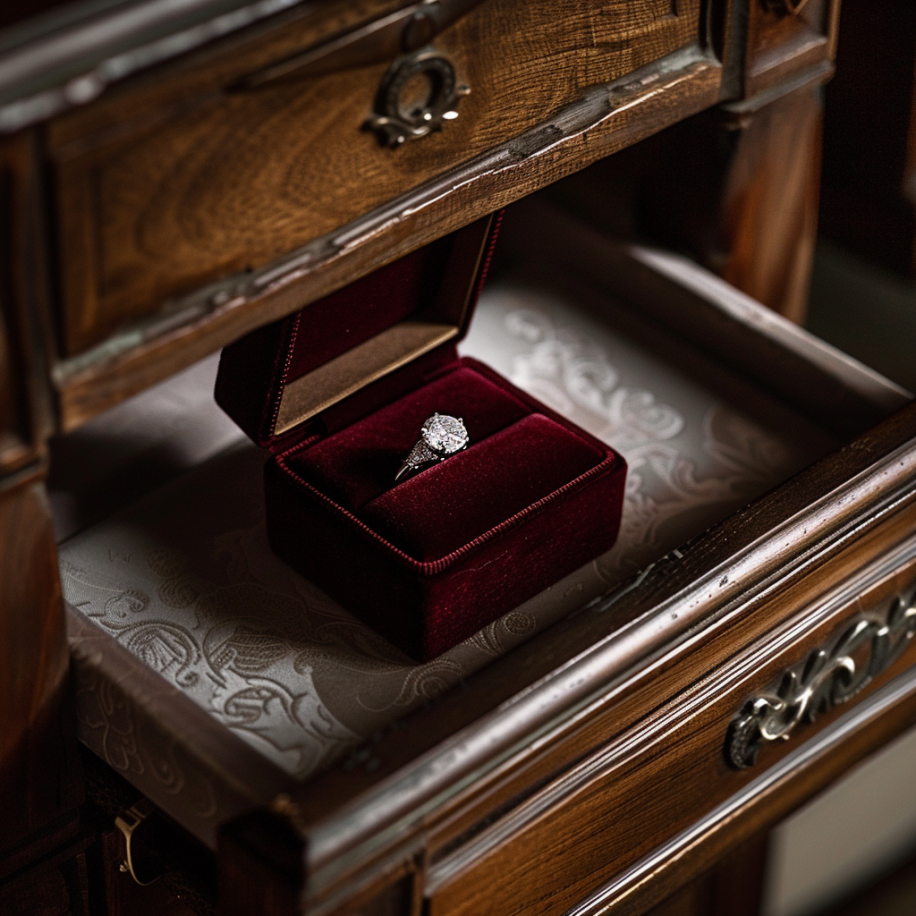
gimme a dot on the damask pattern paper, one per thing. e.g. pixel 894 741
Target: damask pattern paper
pixel 185 580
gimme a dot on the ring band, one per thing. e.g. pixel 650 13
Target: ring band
pixel 440 437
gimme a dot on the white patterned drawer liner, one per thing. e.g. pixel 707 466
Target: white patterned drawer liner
pixel 185 581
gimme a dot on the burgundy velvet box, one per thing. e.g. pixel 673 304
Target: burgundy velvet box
pixel 338 393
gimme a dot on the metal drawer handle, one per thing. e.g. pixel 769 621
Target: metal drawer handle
pixel 827 678
pixel 389 119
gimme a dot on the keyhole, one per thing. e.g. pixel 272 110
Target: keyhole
pixel 416 94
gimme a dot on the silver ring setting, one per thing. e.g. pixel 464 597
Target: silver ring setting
pixel 440 437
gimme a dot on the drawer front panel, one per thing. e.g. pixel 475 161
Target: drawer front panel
pixel 618 805
pixel 228 178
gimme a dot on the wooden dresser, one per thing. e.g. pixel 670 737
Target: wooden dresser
pixel 175 175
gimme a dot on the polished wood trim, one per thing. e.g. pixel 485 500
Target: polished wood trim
pixel 771 189
pixel 763 802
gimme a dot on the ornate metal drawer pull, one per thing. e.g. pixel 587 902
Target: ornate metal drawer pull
pixel 827 678
pixel 390 119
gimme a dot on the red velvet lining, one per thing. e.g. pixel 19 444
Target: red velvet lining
pixel 255 370
pixel 438 511
pixel 358 463
pixel 366 307
pixel 545 454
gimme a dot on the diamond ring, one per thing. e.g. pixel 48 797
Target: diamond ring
pixel 440 436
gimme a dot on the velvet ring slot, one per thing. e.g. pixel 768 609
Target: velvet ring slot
pixel 429 561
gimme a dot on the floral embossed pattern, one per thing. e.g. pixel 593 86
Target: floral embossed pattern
pixel 186 582
pixel 693 454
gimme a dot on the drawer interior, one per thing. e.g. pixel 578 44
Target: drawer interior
pixel 700 441
pixel 184 582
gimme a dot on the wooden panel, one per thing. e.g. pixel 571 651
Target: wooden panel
pixel 768 221
pixel 656 779
pixel 153 202
pixel 38 777
pixel 19 428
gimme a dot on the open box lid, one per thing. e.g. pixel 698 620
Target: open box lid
pixel 348 354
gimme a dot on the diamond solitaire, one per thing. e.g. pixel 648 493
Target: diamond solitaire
pixel 444 434
pixel 440 436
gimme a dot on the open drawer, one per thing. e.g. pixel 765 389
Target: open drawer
pixel 592 737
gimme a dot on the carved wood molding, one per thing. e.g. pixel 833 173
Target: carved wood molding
pixel 828 677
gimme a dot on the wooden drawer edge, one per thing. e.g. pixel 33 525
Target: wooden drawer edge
pixel 761 803
pixel 195 770
pixel 829 615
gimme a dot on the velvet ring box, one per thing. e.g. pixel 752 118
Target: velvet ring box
pixel 338 392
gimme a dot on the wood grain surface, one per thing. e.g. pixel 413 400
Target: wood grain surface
pixel 220 181
pixel 771 186
pixel 39 780
pixel 604 120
